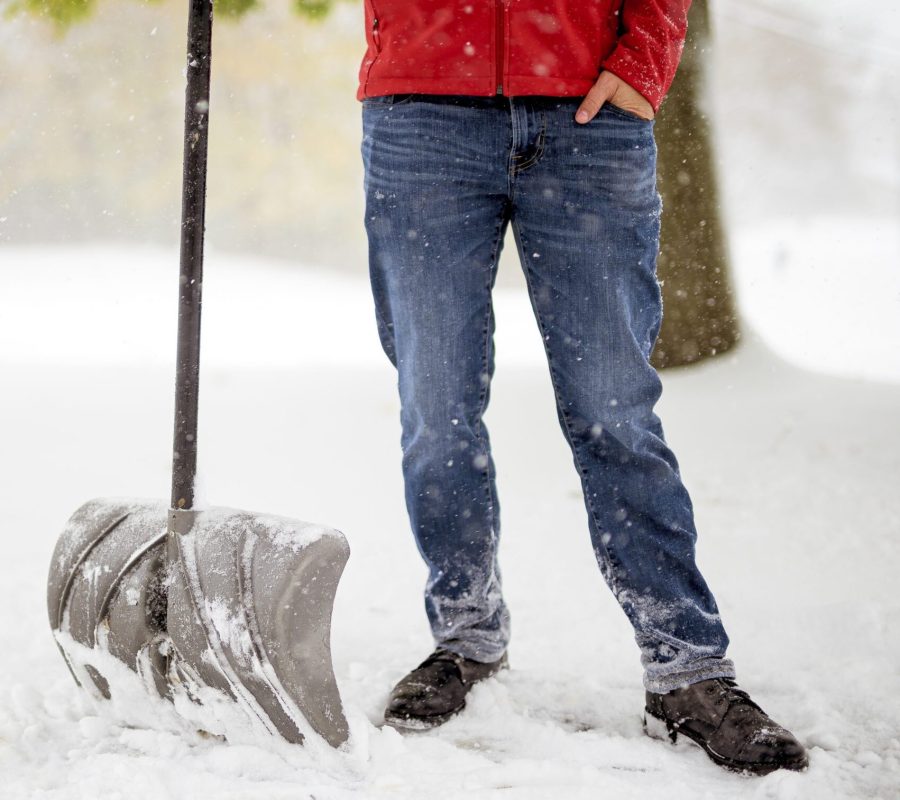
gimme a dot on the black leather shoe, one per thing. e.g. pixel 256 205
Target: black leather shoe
pixel 436 690
pixel 733 730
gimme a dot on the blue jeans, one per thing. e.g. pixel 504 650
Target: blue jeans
pixel 444 176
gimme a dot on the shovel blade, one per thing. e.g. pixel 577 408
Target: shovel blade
pixel 250 603
pixel 105 591
pixel 224 599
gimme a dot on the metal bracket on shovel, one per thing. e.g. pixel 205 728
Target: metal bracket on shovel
pixel 198 600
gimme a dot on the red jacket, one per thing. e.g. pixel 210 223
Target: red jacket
pixel 516 47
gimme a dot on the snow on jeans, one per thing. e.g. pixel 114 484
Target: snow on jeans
pixel 444 176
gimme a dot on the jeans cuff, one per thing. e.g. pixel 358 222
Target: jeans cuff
pixel 685 675
pixel 479 650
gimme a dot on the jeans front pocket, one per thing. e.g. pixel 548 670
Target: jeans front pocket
pixel 402 99
pixel 391 100
pixel 624 113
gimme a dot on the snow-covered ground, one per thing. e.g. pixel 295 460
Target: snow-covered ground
pixel 824 293
pixel 793 476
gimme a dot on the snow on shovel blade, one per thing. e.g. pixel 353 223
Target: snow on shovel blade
pixel 249 613
pixel 105 591
pixel 245 608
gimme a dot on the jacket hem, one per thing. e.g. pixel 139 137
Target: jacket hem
pixel 515 86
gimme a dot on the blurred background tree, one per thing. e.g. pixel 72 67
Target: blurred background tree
pixel 700 315
pixel 91 148
pixel 63 13
pixel 90 145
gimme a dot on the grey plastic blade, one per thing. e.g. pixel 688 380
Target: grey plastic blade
pixel 261 590
pixel 244 607
pixel 107 563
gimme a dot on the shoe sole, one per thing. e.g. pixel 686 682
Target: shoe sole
pixel 663 730
pixel 420 723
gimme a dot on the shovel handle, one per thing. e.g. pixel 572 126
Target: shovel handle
pixel 193 207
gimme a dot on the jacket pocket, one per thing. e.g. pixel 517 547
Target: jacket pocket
pixel 374 25
pixel 373 41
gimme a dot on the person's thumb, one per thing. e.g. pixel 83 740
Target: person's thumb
pixel 593 101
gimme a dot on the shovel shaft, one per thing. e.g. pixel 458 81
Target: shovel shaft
pixel 193 207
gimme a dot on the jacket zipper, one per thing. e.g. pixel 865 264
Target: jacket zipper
pixel 499 5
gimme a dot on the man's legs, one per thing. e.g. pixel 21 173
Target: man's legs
pixel 435 216
pixel 586 221
pixel 586 217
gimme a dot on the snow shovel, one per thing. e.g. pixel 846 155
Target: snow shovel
pixel 204 606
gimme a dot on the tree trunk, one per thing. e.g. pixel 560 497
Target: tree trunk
pixel 699 318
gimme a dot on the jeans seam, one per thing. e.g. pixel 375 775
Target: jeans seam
pixel 485 363
pixel 611 562
pixel 511 160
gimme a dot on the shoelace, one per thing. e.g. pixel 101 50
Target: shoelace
pixel 736 697
pixel 442 656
